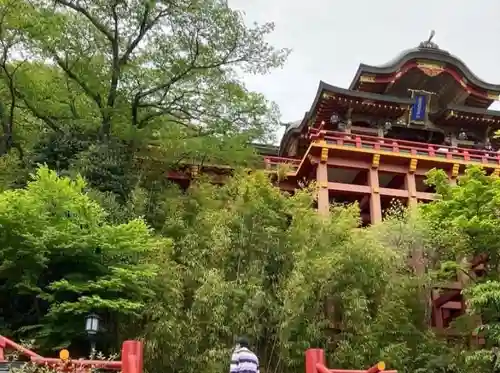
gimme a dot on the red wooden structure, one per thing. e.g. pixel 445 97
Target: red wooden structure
pixel 131 358
pixel 315 363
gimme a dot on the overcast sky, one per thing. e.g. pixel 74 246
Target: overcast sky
pixel 330 38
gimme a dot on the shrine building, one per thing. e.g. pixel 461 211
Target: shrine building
pixel 375 141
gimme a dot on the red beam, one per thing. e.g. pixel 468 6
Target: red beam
pixel 315 363
pixel 6 342
pixel 446 297
pixel 357 371
pixel 374 369
pixel 131 359
pixel 321 368
pixel 103 364
pixel 377 368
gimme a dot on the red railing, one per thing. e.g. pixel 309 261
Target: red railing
pixel 315 363
pixel 272 163
pixel 410 147
pixel 385 144
pixel 131 358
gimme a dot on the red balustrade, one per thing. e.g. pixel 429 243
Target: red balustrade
pixel 131 358
pixel 315 363
pixel 272 162
pixel 411 147
pixel 385 144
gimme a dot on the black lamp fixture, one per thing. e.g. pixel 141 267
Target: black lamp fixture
pixel 334 119
pixel 462 135
pixel 92 322
pixel 487 145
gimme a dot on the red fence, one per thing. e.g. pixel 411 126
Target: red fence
pixel 409 147
pixel 272 163
pixel 315 363
pixel 385 144
pixel 131 358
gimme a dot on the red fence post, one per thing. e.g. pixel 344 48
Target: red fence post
pixel 314 356
pixel 132 357
pixel 2 347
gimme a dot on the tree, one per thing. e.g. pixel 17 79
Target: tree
pixel 60 260
pixel 143 66
pixel 87 83
pixel 466 219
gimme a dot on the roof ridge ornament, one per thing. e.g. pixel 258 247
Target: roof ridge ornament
pixel 429 43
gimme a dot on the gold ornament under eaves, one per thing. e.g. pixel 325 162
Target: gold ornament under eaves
pixel 493 95
pixel 430 68
pixel 367 79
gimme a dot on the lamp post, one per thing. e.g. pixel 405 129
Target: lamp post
pixel 91 328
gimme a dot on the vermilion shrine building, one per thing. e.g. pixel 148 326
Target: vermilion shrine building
pixel 375 141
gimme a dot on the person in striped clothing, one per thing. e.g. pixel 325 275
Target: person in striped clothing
pixel 243 359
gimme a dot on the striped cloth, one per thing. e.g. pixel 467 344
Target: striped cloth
pixel 244 361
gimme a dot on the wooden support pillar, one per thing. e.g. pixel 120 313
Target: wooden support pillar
pixel 417 256
pixel 373 182
pixel 322 180
pixel 411 184
pixel 436 311
pixel 454 174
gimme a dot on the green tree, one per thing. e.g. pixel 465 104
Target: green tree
pixel 140 68
pixel 61 259
pixel 465 219
pixel 157 80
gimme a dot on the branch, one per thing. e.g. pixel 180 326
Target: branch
pixel 95 96
pixel 71 102
pixel 87 15
pixel 144 27
pixel 115 73
pixel 178 77
pixel 47 120
pixel 226 60
pixel 159 111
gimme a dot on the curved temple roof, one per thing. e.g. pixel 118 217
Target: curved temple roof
pixel 428 51
pixel 297 126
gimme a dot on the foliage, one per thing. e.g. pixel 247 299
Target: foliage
pixel 143 71
pixel 252 260
pixel 240 258
pixel 465 218
pixel 61 260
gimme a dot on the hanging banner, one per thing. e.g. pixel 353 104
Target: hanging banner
pixel 419 108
